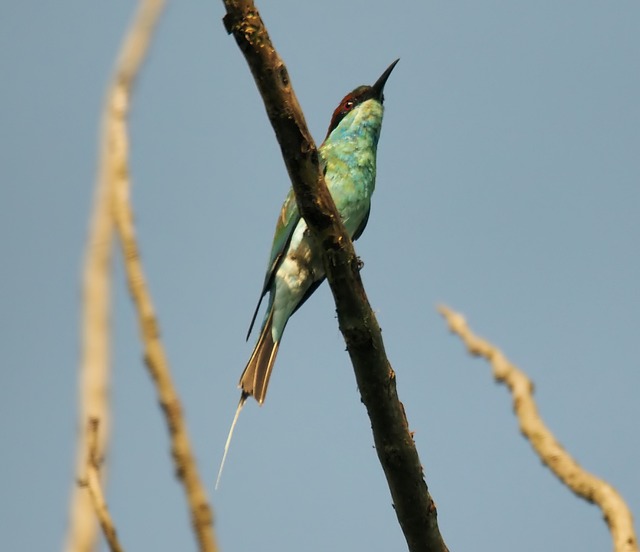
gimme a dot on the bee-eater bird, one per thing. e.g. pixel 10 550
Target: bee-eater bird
pixel 295 270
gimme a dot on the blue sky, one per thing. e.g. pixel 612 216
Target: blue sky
pixel 508 188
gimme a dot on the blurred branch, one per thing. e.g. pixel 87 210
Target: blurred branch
pixel 96 292
pixel 582 483
pixel 396 450
pixel 133 54
pixel 93 399
pixel 95 356
pixel 158 365
pixel 92 482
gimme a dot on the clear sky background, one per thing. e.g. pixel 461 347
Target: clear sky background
pixel 508 188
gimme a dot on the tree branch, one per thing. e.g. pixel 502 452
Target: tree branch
pixel 95 327
pixel 396 449
pixel 158 366
pixel 116 140
pixel 581 482
pixel 92 482
pixel 93 376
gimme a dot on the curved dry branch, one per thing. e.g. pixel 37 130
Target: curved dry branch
pixel 93 388
pixel 95 327
pixel 92 482
pixel 158 365
pixel 117 174
pixel 396 449
pixel 582 483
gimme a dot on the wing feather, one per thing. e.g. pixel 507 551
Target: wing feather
pixel 287 222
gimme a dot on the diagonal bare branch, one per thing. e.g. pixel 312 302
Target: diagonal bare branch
pixel 113 201
pixel 93 376
pixel 92 482
pixel 616 513
pixel 95 327
pixel 155 357
pixel 396 449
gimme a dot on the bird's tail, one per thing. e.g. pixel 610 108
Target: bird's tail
pixel 255 378
pixel 243 399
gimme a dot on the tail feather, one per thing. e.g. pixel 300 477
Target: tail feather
pixel 255 378
pixel 243 399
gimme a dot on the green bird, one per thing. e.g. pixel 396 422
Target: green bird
pixel 295 270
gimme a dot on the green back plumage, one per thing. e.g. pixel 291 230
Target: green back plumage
pixel 287 221
pixel 294 270
pixel 348 158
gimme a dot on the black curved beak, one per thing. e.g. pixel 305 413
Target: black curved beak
pixel 378 87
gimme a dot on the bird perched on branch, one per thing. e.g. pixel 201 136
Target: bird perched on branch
pixel 295 270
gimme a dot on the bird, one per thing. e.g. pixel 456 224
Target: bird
pixel 348 160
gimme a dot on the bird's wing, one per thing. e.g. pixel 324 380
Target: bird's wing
pixel 362 226
pixel 287 222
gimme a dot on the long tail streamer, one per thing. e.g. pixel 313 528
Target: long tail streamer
pixel 243 399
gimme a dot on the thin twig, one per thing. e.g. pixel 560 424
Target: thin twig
pixel 582 483
pixel 155 357
pixel 92 482
pixel 396 450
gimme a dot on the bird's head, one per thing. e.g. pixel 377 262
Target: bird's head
pixel 363 102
